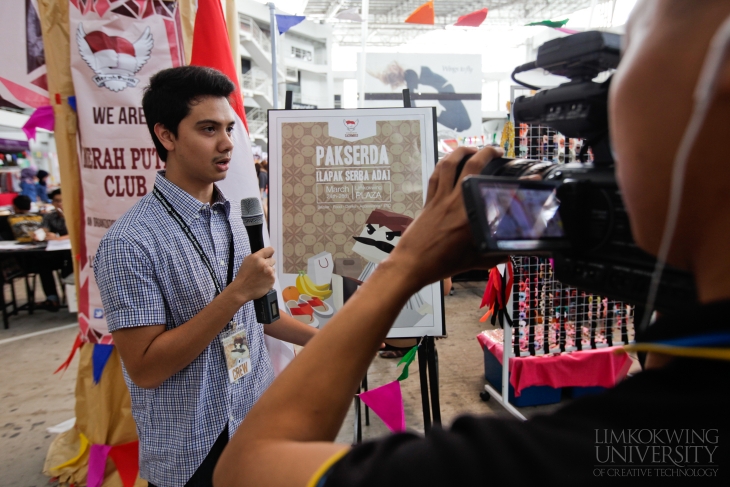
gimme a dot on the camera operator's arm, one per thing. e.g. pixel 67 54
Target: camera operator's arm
pixel 290 330
pixel 287 434
pixel 153 354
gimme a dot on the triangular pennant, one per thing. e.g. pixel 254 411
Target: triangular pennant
pixel 211 48
pixel 286 22
pixel 350 14
pixel 72 102
pixel 473 19
pixel 407 359
pixel 99 358
pixel 566 31
pixel 126 458
pixel 422 15
pixel 549 23
pixel 493 289
pixel 83 446
pixel 387 402
pixel 77 344
pixel 41 118
pixel 97 465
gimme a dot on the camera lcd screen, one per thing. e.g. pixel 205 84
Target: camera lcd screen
pixel 516 212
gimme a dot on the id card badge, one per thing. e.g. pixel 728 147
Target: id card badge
pixel 238 357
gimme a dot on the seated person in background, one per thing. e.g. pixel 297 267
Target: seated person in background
pixel 25 227
pixel 28 183
pixel 23 223
pixel 670 420
pixel 41 188
pixel 54 222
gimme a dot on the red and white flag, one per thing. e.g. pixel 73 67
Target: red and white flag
pixel 211 49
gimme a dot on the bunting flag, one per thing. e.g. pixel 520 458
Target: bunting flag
pixel 72 102
pixel 549 23
pixel 473 19
pixel 286 22
pixel 126 458
pixel 566 31
pixel 77 344
pixel 211 48
pixel 407 359
pixel 97 465
pixel 99 358
pixel 494 294
pixel 41 118
pixel 422 15
pixel 350 14
pixel 387 402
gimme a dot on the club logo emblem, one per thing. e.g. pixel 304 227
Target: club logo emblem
pixel 115 60
pixel 351 125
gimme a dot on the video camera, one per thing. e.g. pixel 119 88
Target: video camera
pixel 574 212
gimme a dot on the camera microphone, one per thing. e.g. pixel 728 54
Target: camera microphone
pixel 252 214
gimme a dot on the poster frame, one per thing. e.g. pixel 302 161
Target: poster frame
pixel 275 174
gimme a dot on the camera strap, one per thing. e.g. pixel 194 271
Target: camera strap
pixel 191 237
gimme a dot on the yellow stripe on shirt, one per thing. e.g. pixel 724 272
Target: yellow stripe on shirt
pixel 325 467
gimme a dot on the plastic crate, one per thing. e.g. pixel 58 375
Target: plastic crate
pixel 531 396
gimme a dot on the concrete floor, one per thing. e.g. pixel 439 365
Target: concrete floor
pixel 32 398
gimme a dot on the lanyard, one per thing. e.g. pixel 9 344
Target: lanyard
pixel 189 234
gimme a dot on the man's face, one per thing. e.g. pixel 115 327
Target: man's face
pixel 57 202
pixel 202 148
pixel 649 106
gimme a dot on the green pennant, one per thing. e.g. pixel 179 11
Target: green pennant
pixel 407 359
pixel 550 23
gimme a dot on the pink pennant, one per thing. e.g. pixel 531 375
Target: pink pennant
pixel 97 465
pixel 387 402
pixel 42 118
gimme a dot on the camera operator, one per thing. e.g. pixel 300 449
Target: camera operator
pixel 286 439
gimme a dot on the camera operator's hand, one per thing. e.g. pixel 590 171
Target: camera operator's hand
pixel 439 243
pixel 255 276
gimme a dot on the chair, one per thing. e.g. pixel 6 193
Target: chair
pixel 9 271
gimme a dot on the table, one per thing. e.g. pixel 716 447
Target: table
pixel 26 260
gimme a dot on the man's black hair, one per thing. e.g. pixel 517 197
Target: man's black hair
pixel 172 92
pixel 22 202
pixel 54 193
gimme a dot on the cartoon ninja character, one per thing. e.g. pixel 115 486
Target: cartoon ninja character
pixel 378 238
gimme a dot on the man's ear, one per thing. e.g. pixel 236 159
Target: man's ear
pixel 165 136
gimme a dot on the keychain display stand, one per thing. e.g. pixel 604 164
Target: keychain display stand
pixel 553 337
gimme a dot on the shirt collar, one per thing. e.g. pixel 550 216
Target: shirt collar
pixel 185 204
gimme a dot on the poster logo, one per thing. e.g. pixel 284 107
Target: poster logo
pixel 351 125
pixel 98 313
pixel 115 60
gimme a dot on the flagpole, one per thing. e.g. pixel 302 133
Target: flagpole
pixel 365 8
pixel 274 31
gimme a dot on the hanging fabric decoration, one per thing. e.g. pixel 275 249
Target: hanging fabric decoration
pixel 126 458
pixel 473 19
pixel 83 446
pixel 549 23
pixel 99 358
pixel 387 402
pixel 407 359
pixel 495 293
pixel 422 15
pixel 97 465
pixel 212 49
pixel 77 344
pixel 286 22
pixel 350 14
pixel 41 118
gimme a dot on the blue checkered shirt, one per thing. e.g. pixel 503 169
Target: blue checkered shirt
pixel 149 273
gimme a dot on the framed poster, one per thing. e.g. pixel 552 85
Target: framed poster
pixel 344 185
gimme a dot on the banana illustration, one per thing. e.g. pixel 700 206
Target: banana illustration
pixel 306 286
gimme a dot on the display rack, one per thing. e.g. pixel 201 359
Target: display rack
pixel 544 317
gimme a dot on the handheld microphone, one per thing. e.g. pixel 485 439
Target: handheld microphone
pixel 267 306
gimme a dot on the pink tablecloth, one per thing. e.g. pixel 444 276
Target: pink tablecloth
pixel 590 368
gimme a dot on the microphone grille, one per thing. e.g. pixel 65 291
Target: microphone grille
pixel 251 212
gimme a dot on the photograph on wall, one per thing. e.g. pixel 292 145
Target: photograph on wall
pixel 345 185
pixel 450 82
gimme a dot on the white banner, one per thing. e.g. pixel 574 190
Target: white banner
pixel 450 82
pixel 115 47
pixel 23 67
